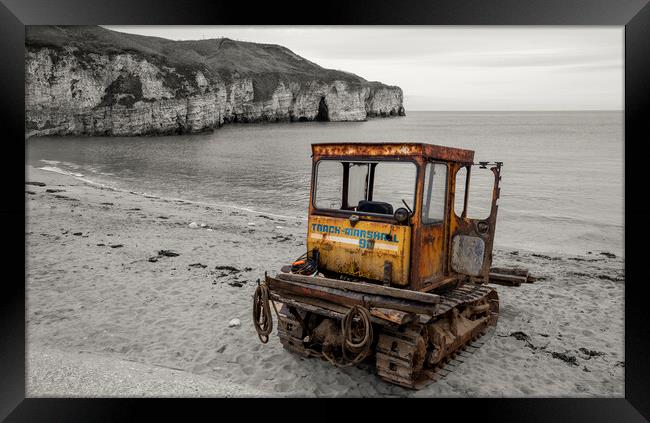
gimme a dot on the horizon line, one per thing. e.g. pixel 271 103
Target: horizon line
pixel 515 110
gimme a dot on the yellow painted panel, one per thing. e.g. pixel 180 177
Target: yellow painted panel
pixel 362 249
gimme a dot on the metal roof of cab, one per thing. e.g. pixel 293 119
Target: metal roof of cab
pixel 430 151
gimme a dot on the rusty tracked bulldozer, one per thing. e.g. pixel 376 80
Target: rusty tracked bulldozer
pixel 391 272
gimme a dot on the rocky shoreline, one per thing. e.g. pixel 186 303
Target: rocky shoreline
pixel 129 85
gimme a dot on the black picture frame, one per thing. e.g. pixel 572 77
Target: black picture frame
pixel 633 14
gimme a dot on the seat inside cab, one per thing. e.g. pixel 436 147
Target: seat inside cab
pixel 375 187
pixel 379 207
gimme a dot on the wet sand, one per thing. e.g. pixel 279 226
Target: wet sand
pixel 101 294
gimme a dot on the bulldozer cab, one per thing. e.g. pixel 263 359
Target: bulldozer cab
pixel 398 213
pixel 387 221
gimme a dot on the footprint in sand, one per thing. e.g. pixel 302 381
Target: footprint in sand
pixel 282 387
pixel 287 367
pixel 268 365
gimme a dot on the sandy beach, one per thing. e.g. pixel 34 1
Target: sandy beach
pixel 126 297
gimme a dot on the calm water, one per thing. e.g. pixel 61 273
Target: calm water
pixel 562 180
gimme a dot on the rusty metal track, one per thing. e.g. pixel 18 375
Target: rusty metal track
pixel 400 355
pixel 291 333
pixel 462 294
pixel 466 351
pixel 399 349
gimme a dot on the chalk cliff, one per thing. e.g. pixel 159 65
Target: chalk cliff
pixel 93 81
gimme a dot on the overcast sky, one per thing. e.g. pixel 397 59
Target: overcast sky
pixel 455 68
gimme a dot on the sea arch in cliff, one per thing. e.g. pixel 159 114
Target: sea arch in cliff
pixel 323 114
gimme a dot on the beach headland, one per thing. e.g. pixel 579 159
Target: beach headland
pixel 89 80
pixel 140 288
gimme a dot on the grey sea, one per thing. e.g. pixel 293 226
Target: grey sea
pixel 562 179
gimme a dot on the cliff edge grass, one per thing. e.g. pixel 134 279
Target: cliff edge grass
pixel 88 80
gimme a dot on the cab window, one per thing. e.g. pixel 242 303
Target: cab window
pixel 378 187
pixel 329 185
pixel 435 190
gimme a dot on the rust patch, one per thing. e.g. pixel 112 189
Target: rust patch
pixel 396 150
